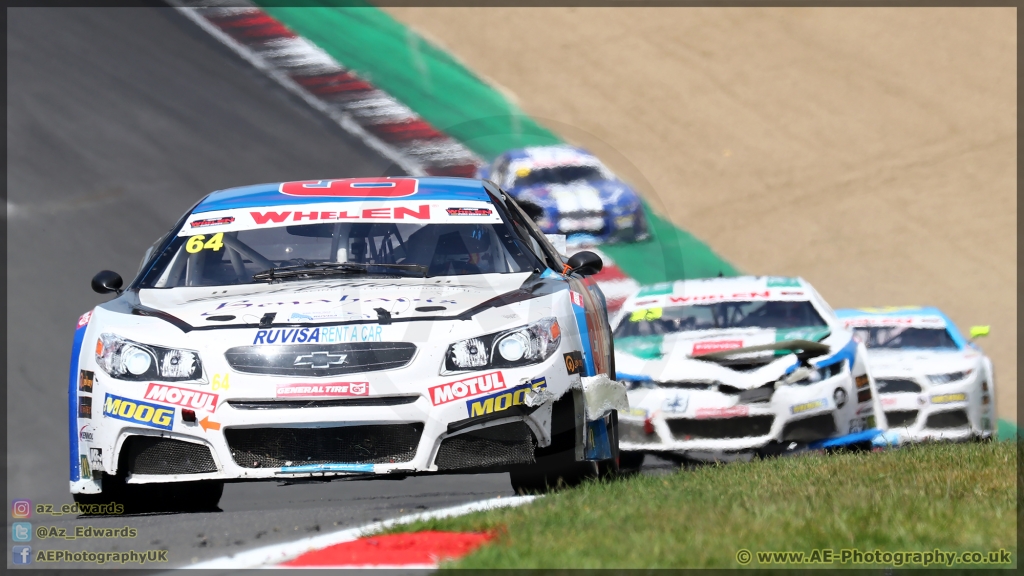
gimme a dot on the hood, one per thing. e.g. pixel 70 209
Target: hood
pixel 330 300
pixel 910 362
pixel 590 196
pixel 676 357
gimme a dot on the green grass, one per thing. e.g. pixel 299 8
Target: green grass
pixel 916 498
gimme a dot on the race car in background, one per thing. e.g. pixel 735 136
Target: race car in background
pixel 723 368
pixel 934 384
pixel 375 326
pixel 568 190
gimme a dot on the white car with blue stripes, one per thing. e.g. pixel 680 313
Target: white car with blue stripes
pixel 329 328
pixel 934 384
pixel 729 367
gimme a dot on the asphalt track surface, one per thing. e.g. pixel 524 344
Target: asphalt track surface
pixel 118 120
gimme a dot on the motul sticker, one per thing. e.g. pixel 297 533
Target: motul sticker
pixel 182 397
pixel 730 412
pixel 334 389
pixel 716 346
pixel 465 388
pixel 353 188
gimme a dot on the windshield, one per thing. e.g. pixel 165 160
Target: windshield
pixel 756 314
pixel 554 175
pixel 302 251
pixel 904 337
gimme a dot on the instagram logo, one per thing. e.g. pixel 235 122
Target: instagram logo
pixel 21 508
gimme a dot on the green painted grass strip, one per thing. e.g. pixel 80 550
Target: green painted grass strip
pixel 419 74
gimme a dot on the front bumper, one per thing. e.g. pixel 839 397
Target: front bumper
pixel 710 422
pixel 952 412
pixel 395 430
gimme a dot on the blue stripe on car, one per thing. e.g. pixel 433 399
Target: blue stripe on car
pixel 588 354
pixel 76 349
pixel 847 352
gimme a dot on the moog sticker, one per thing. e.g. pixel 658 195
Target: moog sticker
pixel 138 412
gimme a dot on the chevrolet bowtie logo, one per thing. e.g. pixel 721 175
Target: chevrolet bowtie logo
pixel 320 360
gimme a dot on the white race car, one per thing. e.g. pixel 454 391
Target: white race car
pixel 728 367
pixel 934 384
pixel 375 326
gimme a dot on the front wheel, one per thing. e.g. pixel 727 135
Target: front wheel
pixel 556 465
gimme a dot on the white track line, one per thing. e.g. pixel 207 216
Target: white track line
pixel 411 167
pixel 277 553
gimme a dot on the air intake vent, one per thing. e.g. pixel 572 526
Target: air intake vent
pixel 810 429
pixel 152 455
pixel 320 359
pixel 901 418
pixel 951 419
pixel 504 444
pixel 717 428
pixel 279 447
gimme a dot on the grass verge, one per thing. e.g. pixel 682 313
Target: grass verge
pixel 916 498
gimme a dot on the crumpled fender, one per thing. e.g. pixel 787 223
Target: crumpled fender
pixel 603 395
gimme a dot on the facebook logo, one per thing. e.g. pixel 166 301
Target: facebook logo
pixel 22 554
pixel 21 532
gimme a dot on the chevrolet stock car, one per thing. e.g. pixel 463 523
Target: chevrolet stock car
pixel 727 368
pixel 569 191
pixel 934 384
pixel 376 326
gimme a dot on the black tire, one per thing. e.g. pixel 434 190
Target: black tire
pixel 631 462
pixel 556 465
pixel 197 496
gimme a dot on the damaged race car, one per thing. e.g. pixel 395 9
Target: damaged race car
pixel 331 328
pixel 934 383
pixel 569 191
pixel 728 368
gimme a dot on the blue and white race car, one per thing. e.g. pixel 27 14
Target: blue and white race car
pixel 569 191
pixel 934 384
pixel 374 326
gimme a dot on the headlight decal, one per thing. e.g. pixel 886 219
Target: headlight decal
pixel 128 360
pixel 521 346
pixel 948 377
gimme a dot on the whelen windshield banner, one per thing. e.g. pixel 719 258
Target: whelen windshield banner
pixel 370 211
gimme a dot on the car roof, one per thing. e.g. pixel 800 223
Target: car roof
pixel 556 154
pixel 893 311
pixel 732 288
pixel 915 313
pixel 424 189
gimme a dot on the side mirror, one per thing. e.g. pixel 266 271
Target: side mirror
pixel 107 281
pixel 979 331
pixel 585 263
